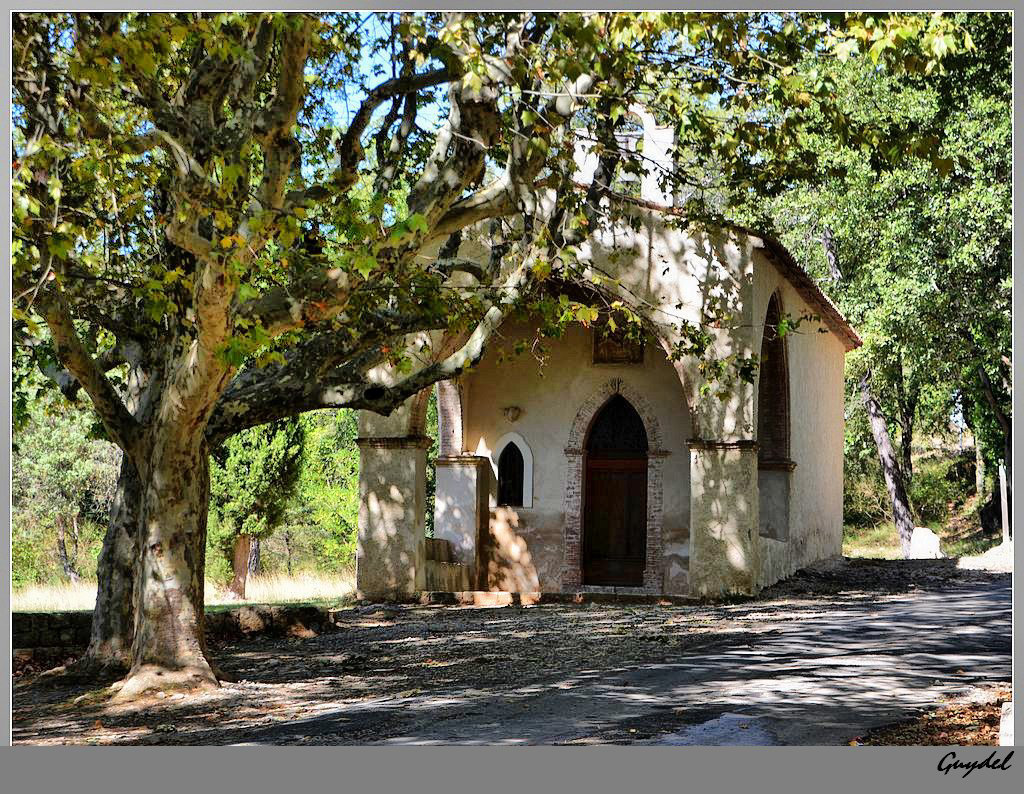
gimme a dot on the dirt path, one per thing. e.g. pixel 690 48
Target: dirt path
pixel 818 659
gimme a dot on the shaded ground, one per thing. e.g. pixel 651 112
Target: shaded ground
pixel 819 659
pixel 965 721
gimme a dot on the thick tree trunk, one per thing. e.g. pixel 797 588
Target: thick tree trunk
pixel 169 646
pixel 67 563
pixel 890 468
pixel 254 556
pixel 113 619
pixel 240 565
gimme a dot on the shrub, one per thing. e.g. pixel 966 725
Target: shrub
pixel 937 484
pixel 865 500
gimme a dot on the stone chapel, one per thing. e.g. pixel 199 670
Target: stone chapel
pixel 610 469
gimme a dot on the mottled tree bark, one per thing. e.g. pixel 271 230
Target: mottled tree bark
pixel 113 619
pixel 169 646
pixel 902 515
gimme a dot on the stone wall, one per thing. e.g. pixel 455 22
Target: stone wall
pixel 50 629
pixel 71 629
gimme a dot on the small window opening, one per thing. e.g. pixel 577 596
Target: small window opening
pixel 616 347
pixel 510 476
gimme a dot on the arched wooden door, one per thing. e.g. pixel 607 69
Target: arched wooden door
pixel 615 497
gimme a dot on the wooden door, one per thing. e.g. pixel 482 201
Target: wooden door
pixel 615 498
pixel 615 522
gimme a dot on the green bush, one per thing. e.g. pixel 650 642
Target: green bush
pixel 937 484
pixel 865 499
pixel 60 475
pixel 218 563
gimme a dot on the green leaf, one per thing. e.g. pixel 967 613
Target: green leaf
pixel 845 49
pixel 417 223
pixel 364 264
pixel 877 48
pixel 146 63
pixel 247 292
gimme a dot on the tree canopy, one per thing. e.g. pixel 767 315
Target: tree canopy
pixel 919 257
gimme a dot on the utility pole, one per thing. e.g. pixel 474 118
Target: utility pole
pixel 1006 507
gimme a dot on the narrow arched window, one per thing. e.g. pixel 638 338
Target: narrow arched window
pixel 774 465
pixel 773 389
pixel 510 476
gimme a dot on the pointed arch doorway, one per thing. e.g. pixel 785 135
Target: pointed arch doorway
pixel 614 548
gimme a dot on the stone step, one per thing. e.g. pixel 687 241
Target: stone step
pixel 439 550
pixel 503 598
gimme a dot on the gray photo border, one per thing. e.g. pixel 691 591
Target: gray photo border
pixel 481 769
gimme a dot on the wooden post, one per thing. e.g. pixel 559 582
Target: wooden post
pixel 1006 507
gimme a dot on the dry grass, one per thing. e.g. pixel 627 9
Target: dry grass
pixel 881 542
pixel 54 598
pixel 300 587
pixel 267 589
pixel 876 543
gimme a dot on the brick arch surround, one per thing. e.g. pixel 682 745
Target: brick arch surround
pixel 572 537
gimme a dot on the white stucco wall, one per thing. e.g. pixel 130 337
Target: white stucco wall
pixel 549 399
pixel 816 432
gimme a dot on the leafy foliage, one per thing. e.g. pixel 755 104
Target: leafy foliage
pixel 252 476
pixel 60 474
pixel 325 506
pixel 922 245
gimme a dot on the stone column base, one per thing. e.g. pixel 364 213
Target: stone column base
pixel 462 508
pixel 724 539
pixel 392 503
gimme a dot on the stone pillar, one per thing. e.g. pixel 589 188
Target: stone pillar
pixel 392 507
pixel 724 539
pixel 462 507
pixel 449 419
pixel 572 543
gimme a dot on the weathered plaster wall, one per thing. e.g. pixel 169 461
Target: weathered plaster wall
pixel 392 518
pixel 724 517
pixel 675 277
pixel 526 547
pixel 816 432
pixel 670 276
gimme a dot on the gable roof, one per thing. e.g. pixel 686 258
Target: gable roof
pixel 807 288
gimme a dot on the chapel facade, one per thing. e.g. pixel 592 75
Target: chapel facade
pixel 615 466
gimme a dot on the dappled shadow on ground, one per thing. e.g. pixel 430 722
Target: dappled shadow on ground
pixel 862 645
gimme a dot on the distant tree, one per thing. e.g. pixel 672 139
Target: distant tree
pixel 252 477
pixel 919 253
pixel 325 505
pixel 60 475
